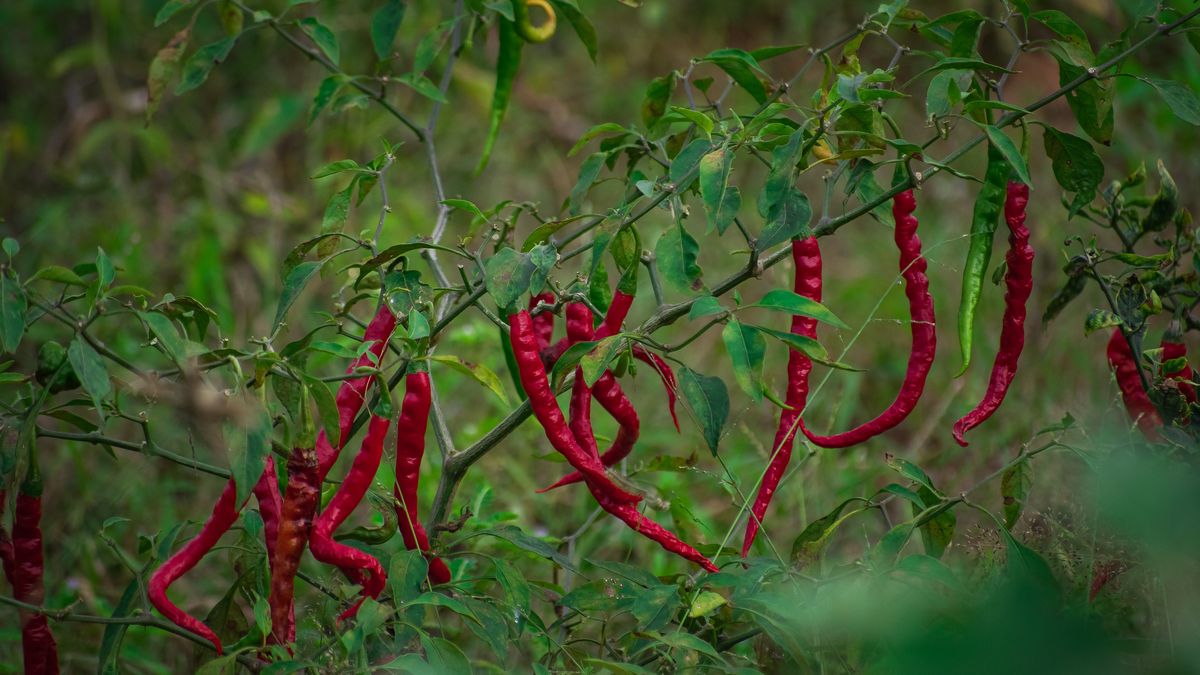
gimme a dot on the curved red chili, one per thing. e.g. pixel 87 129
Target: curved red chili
pixel 543 322
pixel 295 522
pixel 223 516
pixel 270 503
pixel 1184 376
pixel 410 450
pixel 606 390
pixel 349 494
pixel 1137 403
pixel 547 412
pixel 352 393
pixel 1019 282
pixel 924 333
pixel 806 259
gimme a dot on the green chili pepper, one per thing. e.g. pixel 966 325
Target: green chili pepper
pixel 983 231
pixel 508 62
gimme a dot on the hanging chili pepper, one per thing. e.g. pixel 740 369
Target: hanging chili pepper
pixel 223 516
pixel 606 390
pixel 924 334
pixel 352 393
pixel 270 502
pixel 543 322
pixel 1018 280
pixel 806 260
pixel 410 450
pixel 295 522
pixel 508 62
pixel 1137 403
pixel 1184 376
pixel 37 642
pixel 372 536
pixel 545 408
pixel 983 231
pixel 366 569
pixel 611 498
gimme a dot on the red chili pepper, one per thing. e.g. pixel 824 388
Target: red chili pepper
pixel 543 322
pixel 355 562
pixel 611 498
pixel 223 516
pixel 924 333
pixel 545 408
pixel 410 450
pixel 295 522
pixel 270 503
pixel 1137 402
pixel 352 393
pixel 1184 376
pixel 606 390
pixel 1019 282
pixel 40 649
pixel 806 259
pixel 615 317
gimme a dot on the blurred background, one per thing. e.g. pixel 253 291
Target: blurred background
pixel 209 197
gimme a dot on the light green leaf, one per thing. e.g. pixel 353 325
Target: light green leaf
pixel 477 371
pixel 746 348
pixel 782 300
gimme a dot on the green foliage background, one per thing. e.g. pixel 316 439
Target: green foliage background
pixel 208 198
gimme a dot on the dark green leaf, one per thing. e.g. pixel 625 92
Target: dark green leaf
pixel 1010 151
pixel 1179 97
pixel 13 306
pixel 588 173
pixel 1076 165
pixel 708 399
pixel 295 282
pixel 580 23
pixel 788 219
pixel 197 68
pixel 782 300
pixel 656 98
pixel 322 37
pixel 746 348
pixel 676 253
pixel 91 371
pixel 807 547
pixel 1015 486
pixel 742 67
pixel 721 200
pixel 384 24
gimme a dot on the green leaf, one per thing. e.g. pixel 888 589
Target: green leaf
pixel 466 205
pixel 477 371
pixel 406 576
pixel 702 121
pixel 598 130
pixel 788 220
pixel 1100 319
pixel 746 348
pixel 322 37
pixel 423 86
pixel 1010 151
pixel 166 334
pixel 201 63
pixel 807 547
pixel 958 63
pixel 706 603
pixel 1062 24
pixel 1091 102
pixel 742 67
pixel 598 359
pixel 588 172
pixel 247 461
pixel 721 200
pixel 708 399
pixel 59 274
pixel 543 232
pixel 1076 165
pixel 328 88
pixel 163 70
pixel 676 252
pixel 384 24
pixel 783 168
pixel 782 300
pixel 683 165
pixel 938 532
pixel 1015 486
pixel 656 98
pixel 1179 97
pixel 12 312
pixel 705 306
pixel 169 9
pixel 517 537
pixel 326 408
pixel 92 373
pixel 580 23
pixel 914 473
pixel 339 166
pixel 295 282
pixel 444 656
pixel 508 276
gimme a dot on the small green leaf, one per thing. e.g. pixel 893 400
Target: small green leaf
pixel 721 200
pixel 705 306
pixel 166 334
pixel 423 86
pixel 384 24
pixel 708 399
pixel 583 27
pixel 1100 319
pixel 13 307
pixel 169 9
pixel 328 88
pixel 1010 151
pixel 508 276
pixel 588 172
pixel 676 252
pixel 788 219
pixel 1179 97
pixel 163 69
pixel 91 371
pixel 468 206
pixel 295 282
pixel 746 348
pixel 201 63
pixel 598 130
pixel 477 371
pixel 322 37
pixel 656 98
pixel 59 274
pixel 1076 165
pixel 1015 486
pixel 807 547
pixel 742 67
pixel 782 300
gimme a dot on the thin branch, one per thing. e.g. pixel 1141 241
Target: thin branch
pixel 147 448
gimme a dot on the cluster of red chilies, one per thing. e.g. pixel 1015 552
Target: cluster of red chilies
pixel 806 256
pixel 574 439
pixel 1137 401
pixel 21 560
pixel 290 518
